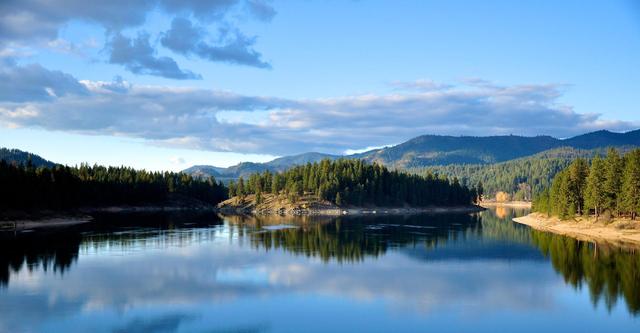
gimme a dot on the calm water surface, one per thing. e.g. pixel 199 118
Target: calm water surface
pixel 430 273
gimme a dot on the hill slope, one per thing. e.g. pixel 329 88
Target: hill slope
pixel 17 156
pixel 434 150
pixel 519 177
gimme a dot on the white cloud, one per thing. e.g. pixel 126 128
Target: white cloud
pixel 177 160
pixel 200 118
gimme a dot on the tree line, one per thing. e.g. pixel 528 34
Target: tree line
pixel 355 182
pixel 521 178
pixel 25 186
pixel 609 185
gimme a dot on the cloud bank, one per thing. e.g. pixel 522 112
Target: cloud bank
pixel 234 47
pixel 194 118
pixel 32 22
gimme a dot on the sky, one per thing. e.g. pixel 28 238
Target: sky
pixel 166 84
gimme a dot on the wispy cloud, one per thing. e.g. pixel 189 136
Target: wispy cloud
pixel 233 47
pixel 34 22
pixel 139 57
pixel 187 117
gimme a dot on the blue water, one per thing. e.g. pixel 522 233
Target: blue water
pixel 430 273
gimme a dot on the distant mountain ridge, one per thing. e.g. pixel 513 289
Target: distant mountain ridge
pixel 438 150
pixel 17 156
pixel 246 168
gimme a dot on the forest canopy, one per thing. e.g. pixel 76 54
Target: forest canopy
pixel 610 185
pixel 61 187
pixel 521 178
pixel 355 182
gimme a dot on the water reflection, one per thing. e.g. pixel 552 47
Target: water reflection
pixel 352 239
pixel 178 273
pixel 608 272
pixel 57 250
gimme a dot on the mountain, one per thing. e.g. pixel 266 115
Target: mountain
pixel 428 150
pixel 443 150
pixel 21 157
pixel 604 139
pixel 439 150
pixel 282 163
pixel 521 177
pixel 244 169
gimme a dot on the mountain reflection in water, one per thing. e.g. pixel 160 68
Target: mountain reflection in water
pixel 428 262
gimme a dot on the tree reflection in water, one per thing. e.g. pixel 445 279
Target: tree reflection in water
pixel 609 273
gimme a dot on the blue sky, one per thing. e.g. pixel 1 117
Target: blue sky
pixel 251 79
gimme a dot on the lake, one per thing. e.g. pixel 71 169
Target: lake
pixel 205 273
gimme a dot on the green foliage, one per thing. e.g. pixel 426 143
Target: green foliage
pixel 61 187
pixel 594 195
pixel 355 182
pixel 631 184
pixel 612 185
pixel 522 178
pixel 613 181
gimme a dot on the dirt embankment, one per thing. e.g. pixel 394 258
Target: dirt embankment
pixel 619 231
pixel 309 205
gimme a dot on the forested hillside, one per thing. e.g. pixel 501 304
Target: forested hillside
pixel 26 187
pixel 521 178
pixel 431 150
pixel 610 185
pixel 355 182
pixel 16 156
pixel 435 151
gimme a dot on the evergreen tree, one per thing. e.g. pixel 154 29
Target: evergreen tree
pixel 631 184
pixel 241 190
pixel 61 187
pixel 338 199
pixel 577 178
pixel 480 190
pixel 359 183
pixel 595 196
pixel 613 181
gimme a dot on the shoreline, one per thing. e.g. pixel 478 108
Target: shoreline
pixel 49 219
pixel 352 211
pixel 22 221
pixel 51 222
pixel 620 232
pixel 513 204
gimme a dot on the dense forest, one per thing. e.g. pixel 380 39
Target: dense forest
pixel 25 186
pixel 608 186
pixel 521 178
pixel 355 182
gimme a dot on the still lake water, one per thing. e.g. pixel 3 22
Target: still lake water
pixel 429 273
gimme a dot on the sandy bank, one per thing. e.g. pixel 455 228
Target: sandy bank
pixel 515 204
pixel 621 232
pixel 354 211
pixel 310 205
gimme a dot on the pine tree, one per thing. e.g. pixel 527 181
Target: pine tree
pixel 577 178
pixel 241 191
pixel 480 190
pixel 595 196
pixel 631 184
pixel 613 181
